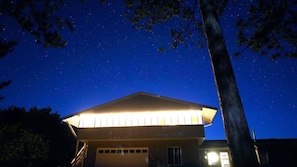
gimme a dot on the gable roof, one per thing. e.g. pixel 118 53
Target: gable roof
pixel 142 101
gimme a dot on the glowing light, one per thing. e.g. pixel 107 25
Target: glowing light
pixel 153 118
pixel 212 158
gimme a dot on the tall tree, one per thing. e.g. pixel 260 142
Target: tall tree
pixel 146 13
pixel 235 123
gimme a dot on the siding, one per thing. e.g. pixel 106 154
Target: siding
pixel 141 133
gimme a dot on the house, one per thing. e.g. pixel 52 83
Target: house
pixel 142 130
pixel 147 130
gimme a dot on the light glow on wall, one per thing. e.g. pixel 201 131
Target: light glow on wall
pixel 212 158
pixel 152 118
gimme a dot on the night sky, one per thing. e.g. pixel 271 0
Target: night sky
pixel 106 59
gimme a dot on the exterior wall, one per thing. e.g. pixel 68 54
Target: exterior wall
pixel 149 132
pixel 157 150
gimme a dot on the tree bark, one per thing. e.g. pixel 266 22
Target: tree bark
pixel 235 123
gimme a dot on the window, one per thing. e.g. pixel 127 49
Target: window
pixel 154 118
pixel 224 159
pixel 174 155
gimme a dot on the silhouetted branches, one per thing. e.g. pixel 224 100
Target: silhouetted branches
pixel 270 28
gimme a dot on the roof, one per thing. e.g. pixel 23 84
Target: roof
pixel 142 101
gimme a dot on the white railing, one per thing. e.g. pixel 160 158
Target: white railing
pixel 80 156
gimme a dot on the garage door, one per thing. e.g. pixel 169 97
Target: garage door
pixel 115 157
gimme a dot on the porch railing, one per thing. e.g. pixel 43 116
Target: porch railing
pixel 78 160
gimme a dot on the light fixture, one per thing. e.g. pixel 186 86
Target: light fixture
pixel 212 158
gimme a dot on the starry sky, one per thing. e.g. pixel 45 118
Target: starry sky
pixel 106 59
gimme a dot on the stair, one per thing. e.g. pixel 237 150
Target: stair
pixel 78 161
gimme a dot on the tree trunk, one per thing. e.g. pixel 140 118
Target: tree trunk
pixel 235 123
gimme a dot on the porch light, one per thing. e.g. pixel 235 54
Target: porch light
pixel 212 158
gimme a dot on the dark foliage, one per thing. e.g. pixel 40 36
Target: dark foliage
pixel 270 28
pixel 145 14
pixel 21 147
pixel 54 141
pixel 6 47
pixel 39 19
pixel 3 85
pixel 183 17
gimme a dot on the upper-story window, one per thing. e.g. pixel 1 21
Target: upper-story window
pixel 155 118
